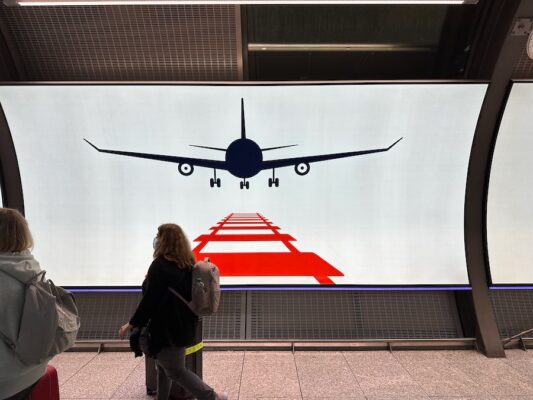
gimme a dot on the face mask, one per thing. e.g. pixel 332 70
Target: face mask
pixel 155 242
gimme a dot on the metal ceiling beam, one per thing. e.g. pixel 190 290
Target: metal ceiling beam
pixel 47 3
pixel 244 41
pixel 495 56
pixel 14 70
pixel 239 45
pixel 9 168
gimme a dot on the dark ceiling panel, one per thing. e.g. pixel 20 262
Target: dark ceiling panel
pixel 341 66
pixel 399 41
pixel 346 24
pixel 125 42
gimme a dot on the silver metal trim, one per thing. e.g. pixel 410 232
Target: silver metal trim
pixel 339 47
pixel 302 345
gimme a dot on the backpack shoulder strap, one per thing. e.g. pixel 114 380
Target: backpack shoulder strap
pixel 179 296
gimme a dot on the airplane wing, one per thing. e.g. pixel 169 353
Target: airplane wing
pixel 197 162
pixel 287 162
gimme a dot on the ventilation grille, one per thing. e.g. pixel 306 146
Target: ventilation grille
pixel 513 311
pixel 524 67
pixel 101 314
pixel 124 42
pixel 300 315
pixel 319 315
pixel 228 322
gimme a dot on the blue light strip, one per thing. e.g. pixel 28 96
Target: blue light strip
pixel 510 287
pixel 359 288
pixel 301 288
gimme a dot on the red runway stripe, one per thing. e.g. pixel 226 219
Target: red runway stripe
pixel 280 237
pixel 231 228
pixel 273 264
pixel 243 223
pixel 292 263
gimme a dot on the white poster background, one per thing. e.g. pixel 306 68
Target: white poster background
pixel 510 197
pixel 389 218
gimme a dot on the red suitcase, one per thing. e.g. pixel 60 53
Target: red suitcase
pixel 48 386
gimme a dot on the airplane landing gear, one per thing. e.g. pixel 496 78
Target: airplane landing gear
pixel 214 181
pixel 273 181
pixel 245 184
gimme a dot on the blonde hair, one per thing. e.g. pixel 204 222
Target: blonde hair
pixel 173 245
pixel 15 234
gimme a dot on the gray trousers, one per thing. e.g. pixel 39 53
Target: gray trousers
pixel 171 368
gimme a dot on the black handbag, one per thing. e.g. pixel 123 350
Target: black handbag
pixel 145 341
pixel 141 341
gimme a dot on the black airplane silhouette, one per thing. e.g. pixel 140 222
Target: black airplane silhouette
pixel 244 159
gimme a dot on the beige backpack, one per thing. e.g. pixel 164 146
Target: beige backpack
pixel 205 291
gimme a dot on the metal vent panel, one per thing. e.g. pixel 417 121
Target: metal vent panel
pixel 305 315
pixel 524 67
pixel 124 42
pixel 512 309
pixel 228 322
pixel 102 314
pixel 319 315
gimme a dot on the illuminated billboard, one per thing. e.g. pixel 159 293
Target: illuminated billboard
pixel 510 196
pixel 353 184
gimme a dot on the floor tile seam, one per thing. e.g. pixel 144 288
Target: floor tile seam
pixel 79 369
pixel 242 372
pixel 473 382
pixel 467 374
pixel 353 374
pixel 125 379
pixel 461 397
pixel 297 375
pixel 408 373
pixel 519 371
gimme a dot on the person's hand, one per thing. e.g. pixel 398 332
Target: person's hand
pixel 123 329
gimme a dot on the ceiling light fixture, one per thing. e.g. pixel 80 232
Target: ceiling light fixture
pixel 29 3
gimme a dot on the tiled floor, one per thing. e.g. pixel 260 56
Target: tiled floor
pixel 372 375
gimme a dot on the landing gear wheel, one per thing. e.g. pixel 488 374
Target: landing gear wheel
pixel 212 182
pixel 247 184
pixel 276 182
pixel 270 182
pixel 242 185
pixel 217 182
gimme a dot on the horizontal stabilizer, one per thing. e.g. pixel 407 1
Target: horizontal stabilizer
pixel 279 147
pixel 207 147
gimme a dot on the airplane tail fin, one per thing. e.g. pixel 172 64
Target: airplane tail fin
pixel 243 125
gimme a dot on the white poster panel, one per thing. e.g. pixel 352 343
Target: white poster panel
pixel 390 212
pixel 510 197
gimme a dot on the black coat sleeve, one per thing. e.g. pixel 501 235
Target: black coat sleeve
pixel 155 290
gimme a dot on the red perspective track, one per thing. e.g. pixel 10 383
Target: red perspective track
pixel 291 263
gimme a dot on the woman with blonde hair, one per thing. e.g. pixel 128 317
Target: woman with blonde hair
pixel 17 266
pixel 172 323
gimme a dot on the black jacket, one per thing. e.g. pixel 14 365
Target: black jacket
pixel 171 321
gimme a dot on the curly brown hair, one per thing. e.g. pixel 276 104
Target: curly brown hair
pixel 173 245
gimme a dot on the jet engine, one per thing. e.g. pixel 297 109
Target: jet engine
pixel 302 168
pixel 185 169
